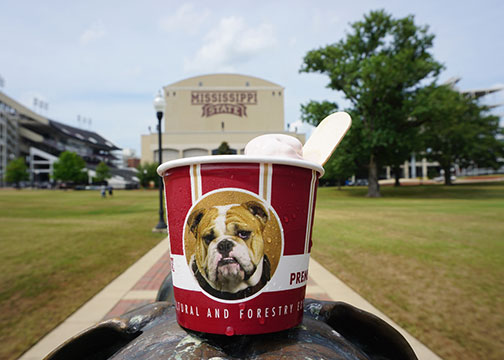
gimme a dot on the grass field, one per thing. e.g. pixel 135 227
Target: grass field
pixel 58 249
pixel 431 258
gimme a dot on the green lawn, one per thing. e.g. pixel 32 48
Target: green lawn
pixel 59 248
pixel 430 257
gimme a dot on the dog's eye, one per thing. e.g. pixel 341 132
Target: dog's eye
pixel 208 238
pixel 243 234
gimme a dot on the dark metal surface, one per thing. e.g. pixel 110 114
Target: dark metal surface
pixel 330 330
pixel 165 292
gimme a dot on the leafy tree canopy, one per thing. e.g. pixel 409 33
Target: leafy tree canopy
pixel 16 171
pixel 102 172
pixel 314 112
pixel 457 130
pixel 224 149
pixel 70 167
pixel 147 172
pixel 379 66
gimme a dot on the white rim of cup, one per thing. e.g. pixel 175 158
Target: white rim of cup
pixel 212 159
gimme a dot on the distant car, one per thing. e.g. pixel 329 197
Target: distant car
pixel 361 182
pixel 441 178
pixel 44 185
pixel 357 182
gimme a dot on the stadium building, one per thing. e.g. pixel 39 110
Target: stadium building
pixel 39 140
pixel 203 112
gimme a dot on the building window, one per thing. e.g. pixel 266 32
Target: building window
pixel 194 152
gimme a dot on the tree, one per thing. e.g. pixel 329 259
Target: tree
pixel 102 172
pixel 378 67
pixel 400 149
pixel 340 166
pixel 70 167
pixel 314 112
pixel 147 173
pixel 457 130
pixel 224 149
pixel 16 171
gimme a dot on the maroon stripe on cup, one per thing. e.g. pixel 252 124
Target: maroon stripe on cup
pixel 268 312
pixel 178 202
pixel 290 197
pixel 242 176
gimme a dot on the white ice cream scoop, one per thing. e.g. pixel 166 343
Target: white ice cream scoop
pixel 278 145
pixel 318 149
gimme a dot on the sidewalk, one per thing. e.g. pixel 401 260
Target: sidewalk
pixel 139 284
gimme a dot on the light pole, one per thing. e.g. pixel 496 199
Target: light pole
pixel 159 106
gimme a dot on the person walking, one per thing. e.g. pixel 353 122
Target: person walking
pixel 103 192
pixel 110 190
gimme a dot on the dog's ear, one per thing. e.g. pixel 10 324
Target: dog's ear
pixel 194 220
pixel 258 210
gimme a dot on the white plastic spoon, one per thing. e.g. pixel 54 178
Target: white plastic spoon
pixel 326 137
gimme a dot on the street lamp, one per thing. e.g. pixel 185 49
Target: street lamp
pixel 159 106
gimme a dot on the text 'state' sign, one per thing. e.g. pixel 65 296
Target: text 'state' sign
pixel 223 102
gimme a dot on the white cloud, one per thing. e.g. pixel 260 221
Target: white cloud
pixel 325 20
pixel 231 42
pixel 94 32
pixel 186 18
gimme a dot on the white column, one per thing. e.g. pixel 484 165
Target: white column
pixel 413 166
pixel 424 168
pixel 31 157
pixel 406 170
pixel 388 172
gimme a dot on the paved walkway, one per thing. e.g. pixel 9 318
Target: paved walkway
pixel 138 285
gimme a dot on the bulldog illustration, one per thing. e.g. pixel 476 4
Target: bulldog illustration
pixel 229 260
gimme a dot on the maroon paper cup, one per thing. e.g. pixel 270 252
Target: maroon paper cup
pixel 240 237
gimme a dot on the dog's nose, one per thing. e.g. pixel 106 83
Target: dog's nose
pixel 224 247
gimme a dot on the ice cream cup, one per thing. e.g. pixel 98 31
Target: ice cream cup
pixel 240 235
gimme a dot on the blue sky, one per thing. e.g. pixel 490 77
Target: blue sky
pixel 105 60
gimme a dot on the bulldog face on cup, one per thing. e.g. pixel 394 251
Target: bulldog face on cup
pixel 229 260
